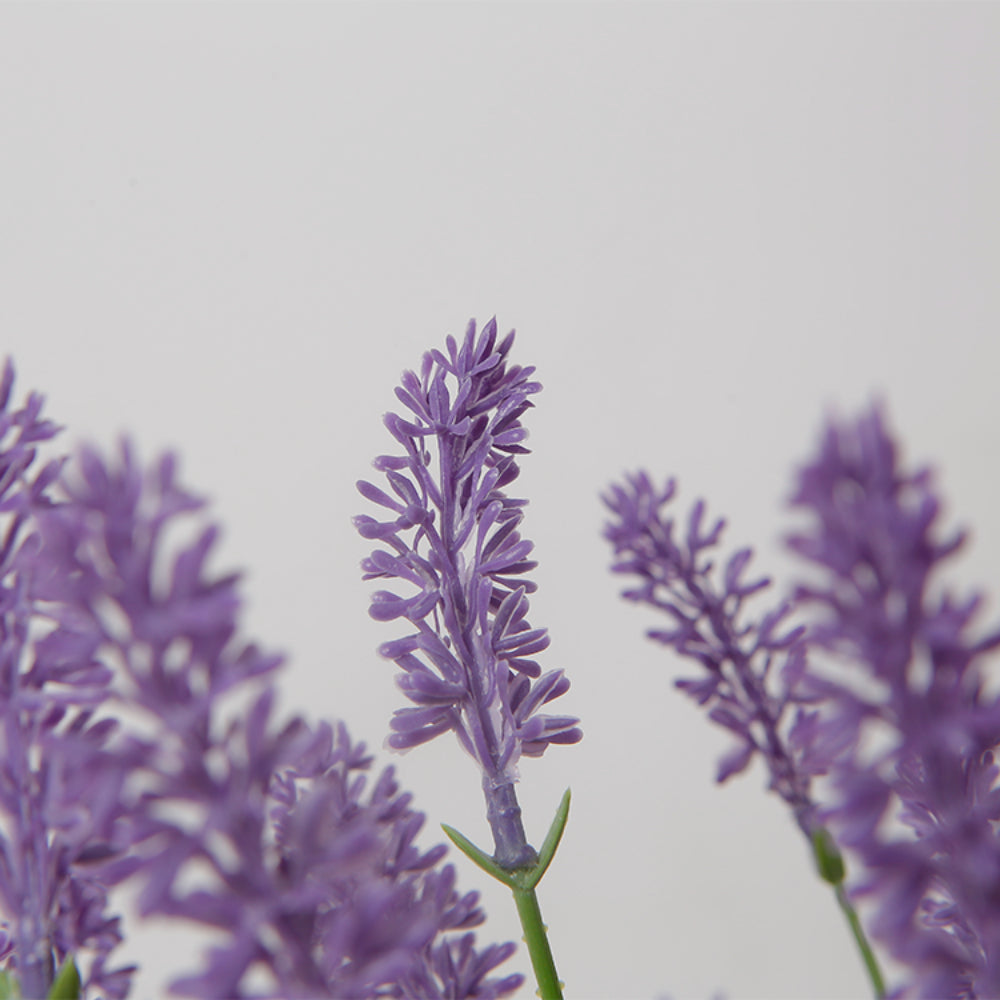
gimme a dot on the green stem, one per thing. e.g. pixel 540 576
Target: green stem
pixel 549 986
pixel 522 882
pixel 868 956
pixel 830 863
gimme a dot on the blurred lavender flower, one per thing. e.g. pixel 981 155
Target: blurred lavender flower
pixel 455 970
pixel 914 740
pixel 469 667
pixel 259 830
pixel 394 903
pixel 753 668
pixel 57 809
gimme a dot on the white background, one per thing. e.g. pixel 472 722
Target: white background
pixel 227 229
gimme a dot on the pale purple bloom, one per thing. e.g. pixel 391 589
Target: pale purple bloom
pixel 752 666
pixel 917 733
pixel 259 829
pixel 897 711
pixel 394 902
pixel 140 742
pixel 456 970
pixel 452 539
pixel 58 806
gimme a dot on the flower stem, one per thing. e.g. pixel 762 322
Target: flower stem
pixel 830 863
pixel 867 955
pixel 504 816
pixel 522 882
pixel 549 985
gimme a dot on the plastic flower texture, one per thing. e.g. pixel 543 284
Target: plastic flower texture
pixel 163 763
pixel 886 687
pixel 452 539
pixel 453 535
pixel 913 743
pixel 58 810
pixel 752 666
pixel 756 680
pixel 141 745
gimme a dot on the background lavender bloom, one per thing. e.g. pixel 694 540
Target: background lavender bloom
pixel 455 969
pixel 918 732
pixel 392 928
pixel 59 790
pixel 259 829
pixel 453 535
pixel 753 667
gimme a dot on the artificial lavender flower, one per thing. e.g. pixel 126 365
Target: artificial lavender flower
pixel 259 829
pixel 395 904
pixel 918 732
pixel 57 809
pixel 752 666
pixel 453 536
pixel 455 970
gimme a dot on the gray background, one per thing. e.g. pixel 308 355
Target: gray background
pixel 227 229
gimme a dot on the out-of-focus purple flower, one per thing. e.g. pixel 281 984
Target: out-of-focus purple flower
pixel 385 906
pixel 752 667
pixel 452 538
pixel 918 730
pixel 455 970
pixel 258 829
pixel 59 790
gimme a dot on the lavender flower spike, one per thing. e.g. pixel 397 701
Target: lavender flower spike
pixel 268 832
pixel 752 669
pixel 756 680
pixel 58 807
pixel 875 541
pixel 453 536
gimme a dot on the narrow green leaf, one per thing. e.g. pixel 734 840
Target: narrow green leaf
pixel 523 881
pixel 9 987
pixel 481 858
pixel 551 842
pixel 518 878
pixel 67 983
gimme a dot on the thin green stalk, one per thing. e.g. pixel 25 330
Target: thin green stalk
pixel 549 986
pixel 867 955
pixel 830 863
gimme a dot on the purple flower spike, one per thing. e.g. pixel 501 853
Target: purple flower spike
pixel 751 668
pixel 920 696
pixel 59 787
pixel 267 832
pixel 452 539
